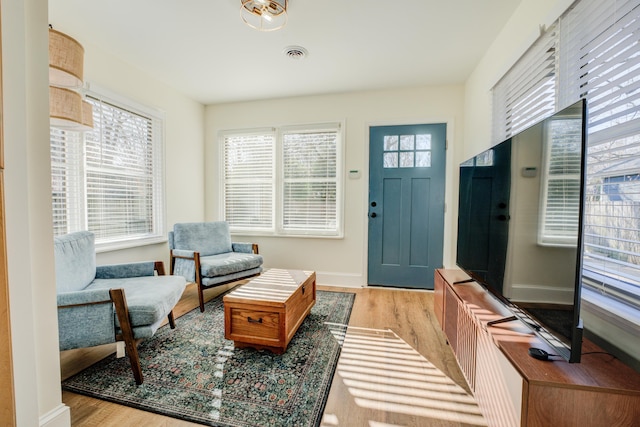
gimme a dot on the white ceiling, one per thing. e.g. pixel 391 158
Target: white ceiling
pixel 204 50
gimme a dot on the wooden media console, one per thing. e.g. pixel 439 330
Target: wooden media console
pixel 514 389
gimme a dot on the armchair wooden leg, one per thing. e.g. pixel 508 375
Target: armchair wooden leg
pixel 201 298
pixel 198 274
pixel 120 302
pixel 172 320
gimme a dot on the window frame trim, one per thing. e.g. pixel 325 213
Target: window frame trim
pixel 158 119
pixel 278 185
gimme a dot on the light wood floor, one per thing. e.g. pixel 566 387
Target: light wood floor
pixel 395 369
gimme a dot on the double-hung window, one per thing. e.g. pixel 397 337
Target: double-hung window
pixel 603 51
pixel 592 52
pixel 283 181
pixel 109 180
pixel 249 180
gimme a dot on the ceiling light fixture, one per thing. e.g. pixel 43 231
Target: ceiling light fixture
pixel 264 15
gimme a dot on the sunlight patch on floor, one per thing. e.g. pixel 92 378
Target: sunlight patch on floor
pixel 383 373
pixel 222 356
pixel 377 424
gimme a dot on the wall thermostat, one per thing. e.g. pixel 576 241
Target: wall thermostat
pixel 529 171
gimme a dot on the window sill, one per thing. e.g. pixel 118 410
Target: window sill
pixel 127 244
pixel 614 312
pixel 247 233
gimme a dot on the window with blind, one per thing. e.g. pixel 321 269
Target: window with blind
pixel 109 180
pixel 597 57
pixel 310 181
pixel 603 49
pixel 249 180
pixel 283 181
pixel 67 181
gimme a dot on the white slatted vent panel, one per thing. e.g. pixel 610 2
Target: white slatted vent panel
pixel 492 392
pixel 466 351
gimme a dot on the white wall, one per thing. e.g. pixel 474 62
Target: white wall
pixel 28 214
pixel 342 261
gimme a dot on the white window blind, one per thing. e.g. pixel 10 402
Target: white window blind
pixel 561 182
pixel 67 181
pixel 597 56
pixel 109 180
pixel 310 179
pixel 601 46
pixel 283 181
pixel 526 94
pixel 249 180
pixel 121 172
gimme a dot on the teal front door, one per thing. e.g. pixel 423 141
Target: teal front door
pixel 406 204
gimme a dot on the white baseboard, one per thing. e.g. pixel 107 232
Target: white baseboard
pixel 58 417
pixel 345 280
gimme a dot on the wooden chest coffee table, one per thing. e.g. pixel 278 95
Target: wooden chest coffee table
pixel 266 312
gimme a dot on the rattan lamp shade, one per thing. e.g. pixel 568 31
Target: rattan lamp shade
pixel 87 116
pixel 65 108
pixel 66 60
pixel 68 111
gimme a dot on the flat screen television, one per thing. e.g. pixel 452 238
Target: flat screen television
pixel 520 222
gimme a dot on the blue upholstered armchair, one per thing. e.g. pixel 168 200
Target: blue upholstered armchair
pixel 203 253
pixel 104 304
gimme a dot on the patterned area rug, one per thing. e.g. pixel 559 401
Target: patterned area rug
pixel 193 373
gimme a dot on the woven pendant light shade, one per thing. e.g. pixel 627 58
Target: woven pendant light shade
pixel 66 60
pixel 65 108
pixel 87 115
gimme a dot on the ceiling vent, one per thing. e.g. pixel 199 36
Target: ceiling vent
pixel 295 52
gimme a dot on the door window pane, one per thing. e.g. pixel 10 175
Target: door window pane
pixel 423 142
pixel 407 142
pixel 423 159
pixel 390 160
pixel 406 159
pixel 391 143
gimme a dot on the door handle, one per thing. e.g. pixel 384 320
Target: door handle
pixel 373 215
